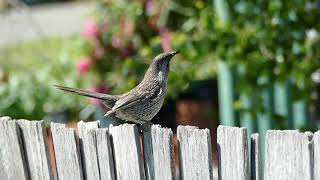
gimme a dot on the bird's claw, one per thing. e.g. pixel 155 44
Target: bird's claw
pixel 144 127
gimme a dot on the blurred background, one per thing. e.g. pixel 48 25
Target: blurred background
pixel 242 63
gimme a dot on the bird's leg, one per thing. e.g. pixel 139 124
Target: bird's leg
pixel 145 127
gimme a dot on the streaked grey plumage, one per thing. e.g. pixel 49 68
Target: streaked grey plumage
pixel 143 102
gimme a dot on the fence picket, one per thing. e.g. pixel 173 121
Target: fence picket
pixel 67 152
pixel 116 153
pixel 105 155
pixel 12 160
pixel 194 153
pixel 88 147
pixel 289 155
pixel 127 152
pixel 35 143
pixel 233 153
pixel 158 153
pixel 316 141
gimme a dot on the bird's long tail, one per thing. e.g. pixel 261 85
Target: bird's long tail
pixel 101 96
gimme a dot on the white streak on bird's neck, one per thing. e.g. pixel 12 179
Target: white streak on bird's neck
pixel 161 77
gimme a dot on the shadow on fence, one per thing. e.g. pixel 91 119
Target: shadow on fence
pixel 122 152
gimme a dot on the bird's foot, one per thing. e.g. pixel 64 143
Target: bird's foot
pixel 145 127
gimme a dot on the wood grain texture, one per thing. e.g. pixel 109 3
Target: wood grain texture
pixel 316 141
pixel 67 152
pixel 233 153
pixel 194 153
pixel 158 153
pixel 12 160
pixel 289 155
pixel 127 152
pixel 35 143
pixel 105 155
pixel 255 171
pixel 88 147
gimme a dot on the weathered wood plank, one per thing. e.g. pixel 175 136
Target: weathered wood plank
pixel 67 152
pixel 12 160
pixel 233 153
pixel 105 155
pixel 35 143
pixel 255 171
pixel 316 141
pixel 194 153
pixel 88 147
pixel 158 153
pixel 127 152
pixel 289 155
pixel 83 127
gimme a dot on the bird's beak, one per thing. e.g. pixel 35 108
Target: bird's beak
pixel 174 52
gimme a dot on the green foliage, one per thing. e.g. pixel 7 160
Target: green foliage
pixel 26 80
pixel 271 41
pixel 264 41
pixel 143 32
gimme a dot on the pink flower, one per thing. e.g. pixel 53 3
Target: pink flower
pixel 99 51
pixel 116 42
pixel 165 39
pixel 84 65
pixel 149 6
pixel 94 101
pixel 99 89
pixel 91 29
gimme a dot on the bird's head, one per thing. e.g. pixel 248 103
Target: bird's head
pixel 159 67
pixel 162 61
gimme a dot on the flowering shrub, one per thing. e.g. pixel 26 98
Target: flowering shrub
pixel 274 40
pixel 116 48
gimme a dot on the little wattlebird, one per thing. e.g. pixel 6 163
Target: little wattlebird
pixel 144 101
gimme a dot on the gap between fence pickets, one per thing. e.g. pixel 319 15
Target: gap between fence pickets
pixel 254 156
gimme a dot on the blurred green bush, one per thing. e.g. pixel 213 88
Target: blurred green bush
pixel 274 40
pixel 27 72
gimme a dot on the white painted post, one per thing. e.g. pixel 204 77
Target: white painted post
pixel 233 153
pixel 194 153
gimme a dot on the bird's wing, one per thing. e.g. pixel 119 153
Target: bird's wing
pixel 132 99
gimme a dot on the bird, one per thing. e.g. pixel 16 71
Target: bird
pixel 144 101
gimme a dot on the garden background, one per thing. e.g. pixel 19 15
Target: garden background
pixel 253 64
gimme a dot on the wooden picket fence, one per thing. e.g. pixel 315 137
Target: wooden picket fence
pixel 123 153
